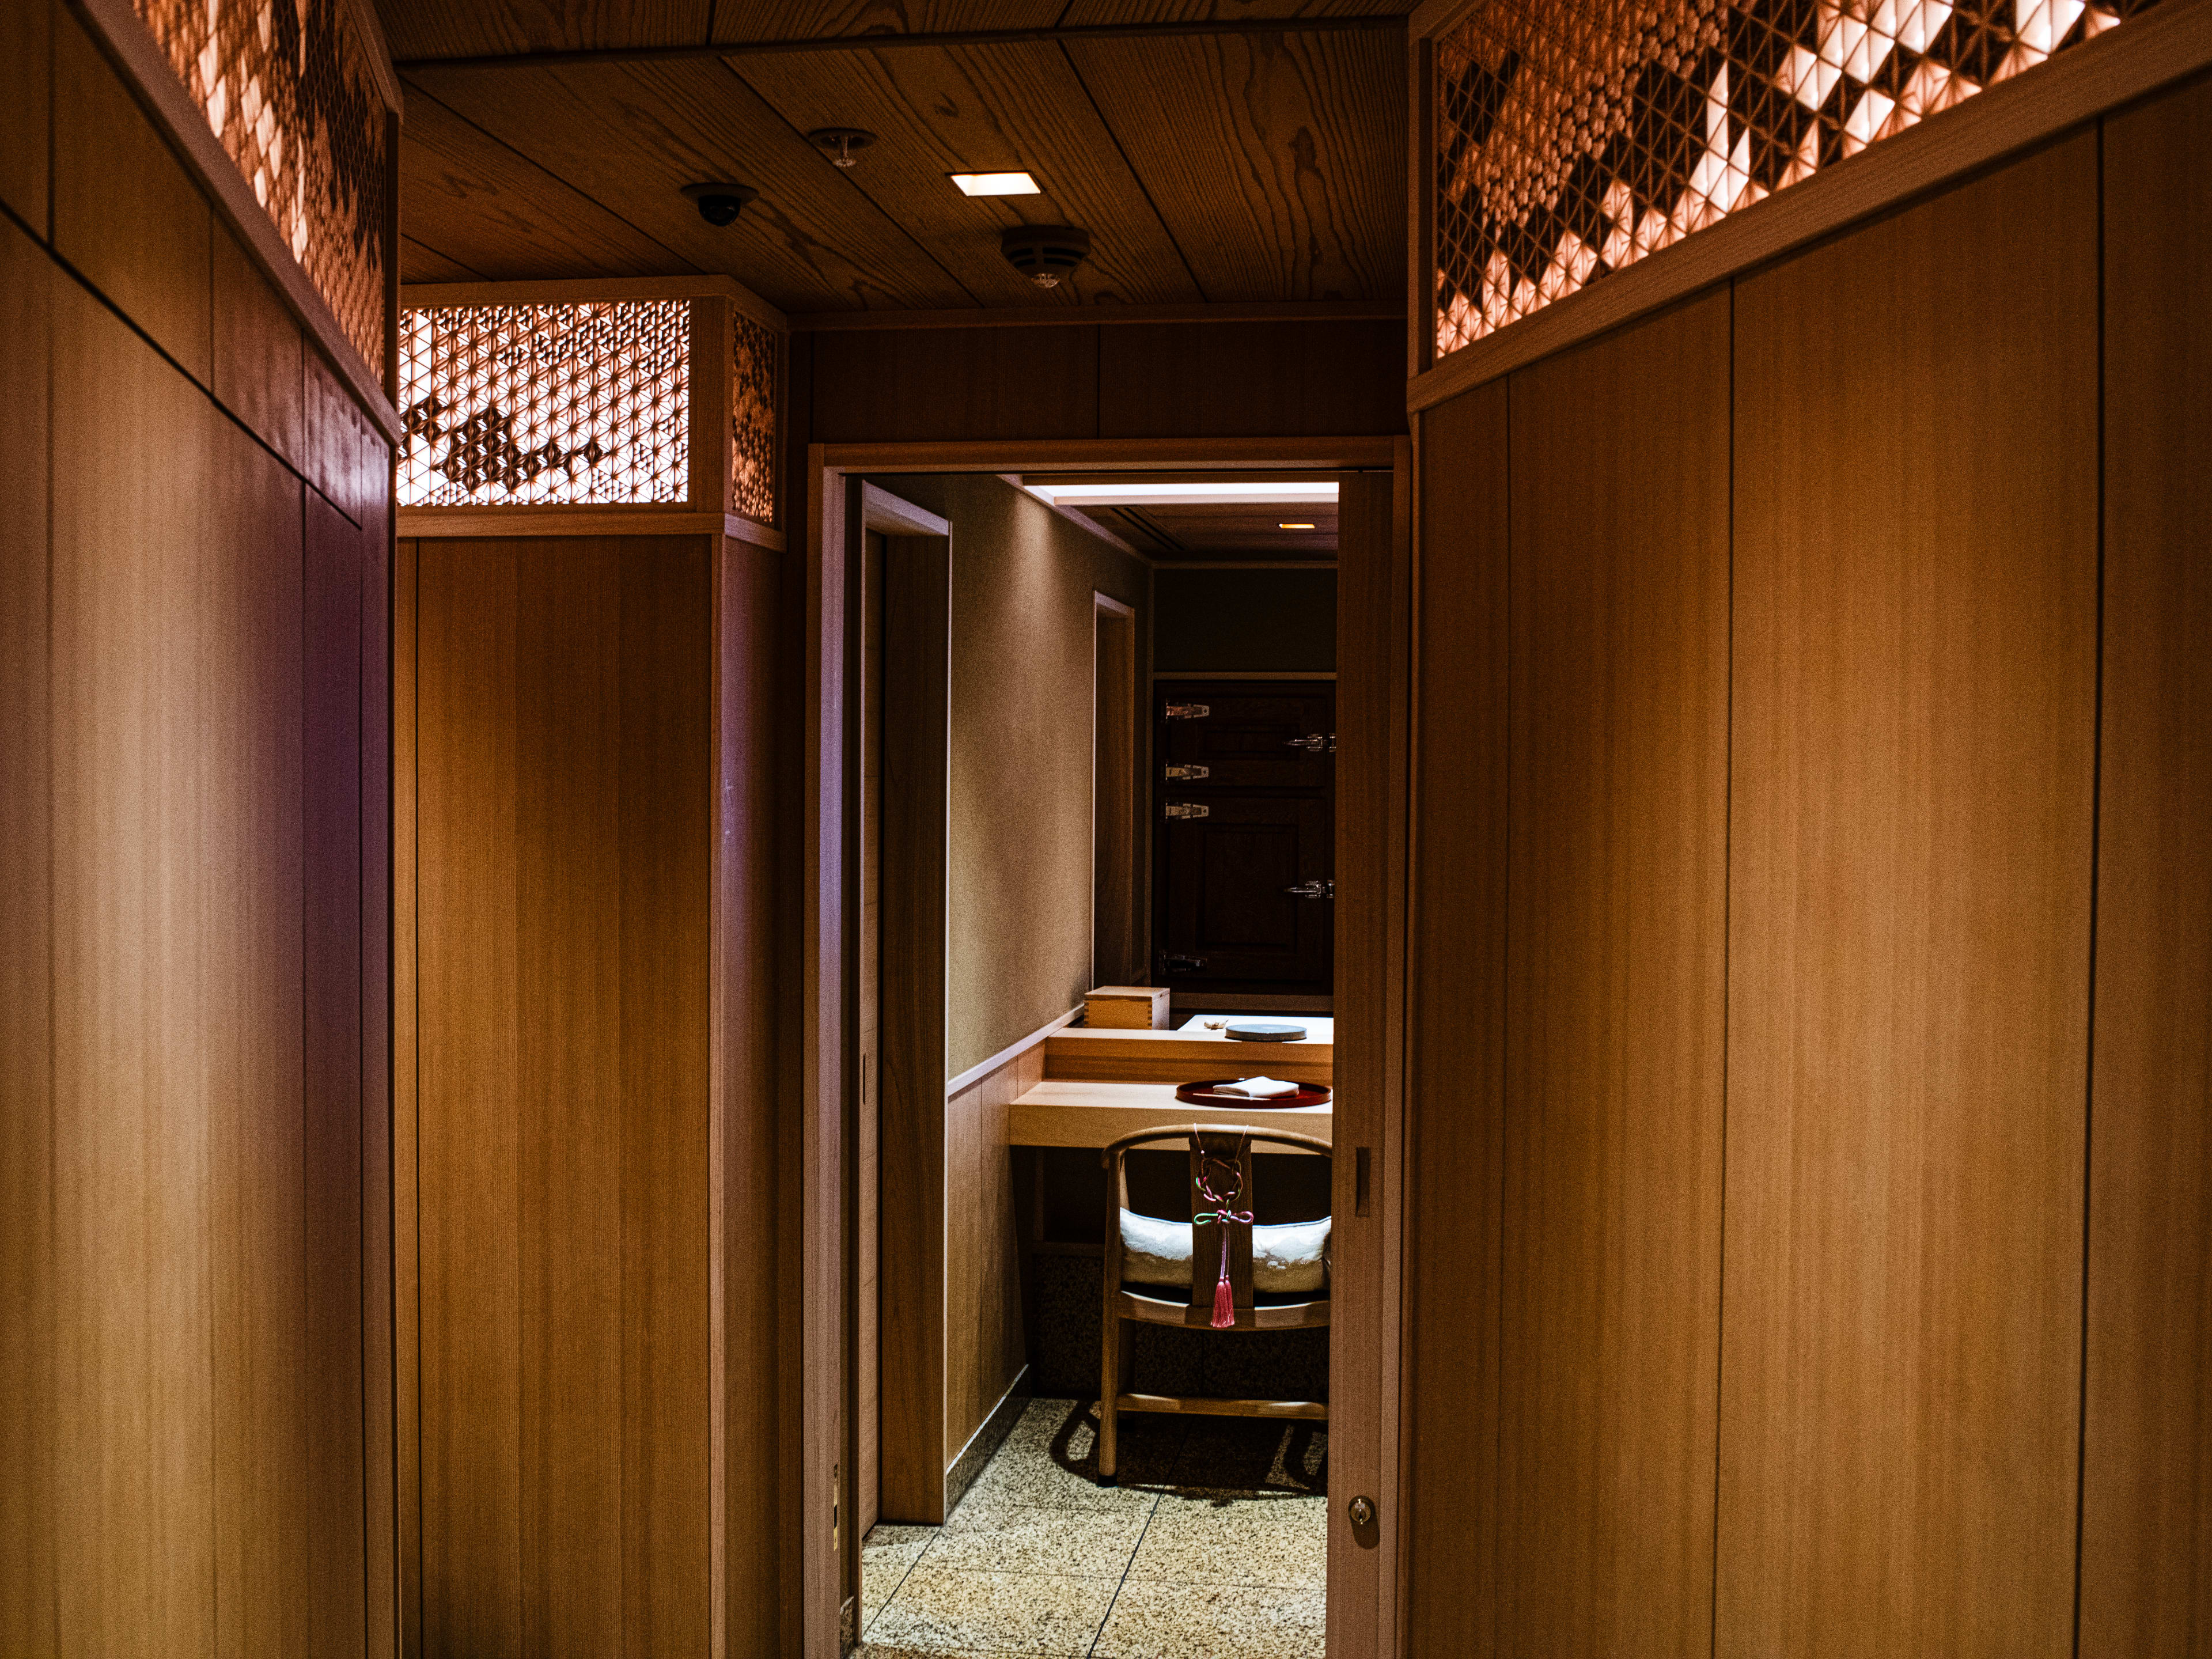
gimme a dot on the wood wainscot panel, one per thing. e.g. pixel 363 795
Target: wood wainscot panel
pixel 986 1349
pixel 1914 687
pixel 1250 380
pixel 1614 1007
pixel 26 90
pixel 906 385
pixel 126 213
pixel 28 1427
pixel 257 354
pixel 563 686
pixel 1456 1043
pixel 2147 1470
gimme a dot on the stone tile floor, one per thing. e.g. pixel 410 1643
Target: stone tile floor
pixel 1213 1545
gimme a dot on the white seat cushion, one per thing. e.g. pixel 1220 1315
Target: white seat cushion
pixel 1286 1258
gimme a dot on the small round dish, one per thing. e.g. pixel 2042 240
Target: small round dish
pixel 1209 1094
pixel 1262 1030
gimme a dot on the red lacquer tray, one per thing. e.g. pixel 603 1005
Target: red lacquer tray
pixel 1209 1094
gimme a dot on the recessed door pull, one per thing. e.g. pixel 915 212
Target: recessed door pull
pixel 1314 742
pixel 1189 773
pixel 1313 889
pixel 1188 809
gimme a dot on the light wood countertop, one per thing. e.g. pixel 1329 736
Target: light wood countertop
pixel 1069 1112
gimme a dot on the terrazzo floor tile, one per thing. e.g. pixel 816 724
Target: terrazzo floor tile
pixel 886 1554
pixel 1213 1621
pixel 1236 1540
pixel 936 1612
pixel 1083 1544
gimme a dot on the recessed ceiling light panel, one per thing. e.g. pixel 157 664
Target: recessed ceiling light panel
pixel 996 184
pixel 1155 494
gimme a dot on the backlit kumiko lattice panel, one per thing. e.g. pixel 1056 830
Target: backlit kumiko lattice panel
pixel 546 405
pixel 1575 137
pixel 753 375
pixel 286 88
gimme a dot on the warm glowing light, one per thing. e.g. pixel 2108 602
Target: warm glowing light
pixel 1154 494
pixel 995 184
pixel 1289 525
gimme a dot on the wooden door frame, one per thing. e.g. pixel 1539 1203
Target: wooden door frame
pixel 1374 612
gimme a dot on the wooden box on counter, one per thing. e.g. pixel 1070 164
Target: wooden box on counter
pixel 1126 1008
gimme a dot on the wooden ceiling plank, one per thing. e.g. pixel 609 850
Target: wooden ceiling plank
pixel 496 211
pixel 420 263
pixel 636 134
pixel 1093 13
pixel 984 109
pixel 439 28
pixel 737 21
pixel 1276 160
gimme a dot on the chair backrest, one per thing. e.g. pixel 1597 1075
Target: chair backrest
pixel 1220 1169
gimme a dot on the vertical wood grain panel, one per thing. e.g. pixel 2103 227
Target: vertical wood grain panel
pixel 468 886
pixel 26 90
pixel 248 749
pixel 570 988
pixel 2147 1496
pixel 334 1469
pixel 1618 782
pixel 139 1010
pixel 1916 538
pixel 867 1356
pixel 406 1051
pixel 749 888
pixel 1454 1102
pixel 984 1345
pixel 917 627
pixel 257 371
pixel 28 1450
pixel 565 760
pixel 125 212
pixel 666 783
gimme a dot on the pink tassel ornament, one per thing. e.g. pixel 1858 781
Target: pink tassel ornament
pixel 1225 1298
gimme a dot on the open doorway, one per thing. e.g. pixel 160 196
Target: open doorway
pixel 1003 1201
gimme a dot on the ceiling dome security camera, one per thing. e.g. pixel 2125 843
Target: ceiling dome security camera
pixel 719 204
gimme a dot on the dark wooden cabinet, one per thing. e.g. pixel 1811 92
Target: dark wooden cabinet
pixel 1244 800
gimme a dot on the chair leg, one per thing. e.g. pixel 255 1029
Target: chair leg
pixel 1109 1393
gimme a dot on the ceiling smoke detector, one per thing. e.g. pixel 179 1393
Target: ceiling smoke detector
pixel 838 144
pixel 1045 254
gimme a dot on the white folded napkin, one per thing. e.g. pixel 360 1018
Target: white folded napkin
pixel 1258 1088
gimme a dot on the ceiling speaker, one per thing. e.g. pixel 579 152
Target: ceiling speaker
pixel 1045 254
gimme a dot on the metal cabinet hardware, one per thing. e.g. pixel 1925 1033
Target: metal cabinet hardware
pixel 1188 711
pixel 1188 809
pixel 1175 964
pixel 1313 889
pixel 1189 773
pixel 1314 742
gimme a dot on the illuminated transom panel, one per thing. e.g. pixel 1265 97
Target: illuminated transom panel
pixel 753 374
pixel 286 87
pixel 1575 137
pixel 566 404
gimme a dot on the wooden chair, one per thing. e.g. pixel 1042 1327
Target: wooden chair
pixel 1218 1149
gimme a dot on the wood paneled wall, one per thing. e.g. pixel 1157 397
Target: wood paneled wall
pixel 583 775
pixel 194 1222
pixel 1761 648
pixel 2147 1454
pixel 1246 380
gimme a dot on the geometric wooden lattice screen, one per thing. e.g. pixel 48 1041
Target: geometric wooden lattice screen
pixel 1577 136
pixel 286 87
pixel 545 404
pixel 539 401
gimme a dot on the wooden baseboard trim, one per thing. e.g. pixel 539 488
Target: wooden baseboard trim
pixel 976 1074
pixel 986 1441
pixel 2147 53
